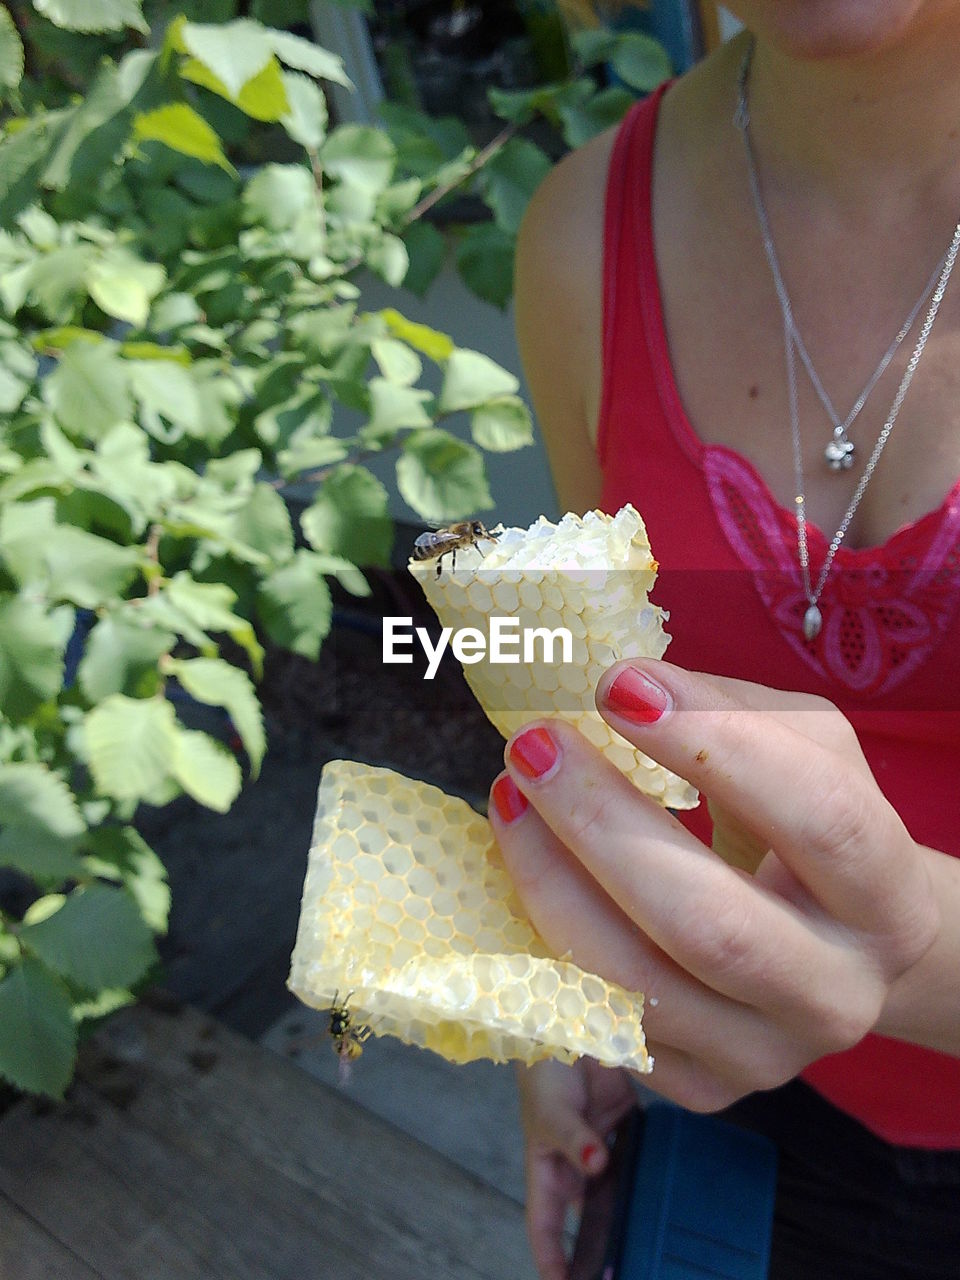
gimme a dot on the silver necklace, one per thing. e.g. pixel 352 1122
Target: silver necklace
pixel 812 618
pixel 840 450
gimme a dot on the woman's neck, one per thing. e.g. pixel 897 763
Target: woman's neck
pixel 871 134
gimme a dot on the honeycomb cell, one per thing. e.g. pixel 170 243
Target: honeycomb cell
pixel 506 598
pixel 574 679
pixel 393 889
pixel 440 927
pixel 571 1004
pixel 444 903
pixel 418 908
pixel 393 913
pixel 514 999
pixel 537 1017
pixel 544 984
pixel 351 817
pixel 596 731
pixel 480 598
pixel 412 929
pixel 346 847
pixel 373 840
pixel 421 881
pixel 397 860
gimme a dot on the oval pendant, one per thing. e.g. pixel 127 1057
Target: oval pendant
pixel 812 622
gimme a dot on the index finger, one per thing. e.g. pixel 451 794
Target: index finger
pixel 820 810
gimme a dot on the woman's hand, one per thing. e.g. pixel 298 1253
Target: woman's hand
pixel 567 1112
pixel 748 979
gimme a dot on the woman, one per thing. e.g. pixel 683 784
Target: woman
pixel 721 306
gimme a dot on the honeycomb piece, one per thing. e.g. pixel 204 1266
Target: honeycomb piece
pixel 407 906
pixel 589 574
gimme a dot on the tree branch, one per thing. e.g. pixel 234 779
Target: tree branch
pixel 476 164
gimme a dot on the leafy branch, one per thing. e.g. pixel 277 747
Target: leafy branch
pixel 182 336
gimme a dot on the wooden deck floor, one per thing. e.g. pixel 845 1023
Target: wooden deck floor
pixel 185 1151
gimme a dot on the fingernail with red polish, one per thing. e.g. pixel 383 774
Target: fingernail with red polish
pixel 509 802
pixel 534 753
pixel 588 1154
pixel 636 697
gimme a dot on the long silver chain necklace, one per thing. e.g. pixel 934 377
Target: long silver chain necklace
pixel 840 451
pixel 812 618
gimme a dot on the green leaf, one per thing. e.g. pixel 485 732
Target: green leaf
pixel 234 51
pixel 640 61
pixel 208 605
pixel 594 44
pixel 433 344
pixel 306 118
pixel 55 282
pixel 263 97
pixel 180 127
pixel 387 258
pixel 398 200
pixel 124 286
pixel 219 684
pixel 427 252
pixel 347 574
pixel 18 368
pixel 279 195
pixel 98 129
pixel 93 15
pixel 131 744
pixel 264 524
pixel 40 823
pixel 11 55
pixel 583 121
pixel 485 262
pixel 394 407
pixel 39 1043
pixel 97 939
pixel 21 159
pixel 171 393
pixel 173 311
pixel 69 563
pixel 350 517
pixel 206 770
pixel 471 379
pixel 442 477
pixel 502 425
pixel 305 55
pixel 32 644
pixel 310 452
pixel 359 156
pixel 517 106
pixel 121 853
pixel 122 657
pixel 106 1002
pixel 295 606
pixel 89 391
pixel 512 176
pixel 397 362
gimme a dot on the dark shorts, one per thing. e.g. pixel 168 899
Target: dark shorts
pixel 850 1206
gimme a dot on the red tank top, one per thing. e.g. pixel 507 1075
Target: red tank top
pixel 888 651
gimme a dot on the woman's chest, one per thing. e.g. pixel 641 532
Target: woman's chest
pixel 745 381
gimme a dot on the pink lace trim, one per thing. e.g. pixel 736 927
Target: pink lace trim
pixel 884 609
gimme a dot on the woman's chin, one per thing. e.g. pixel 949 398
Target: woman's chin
pixel 826 29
